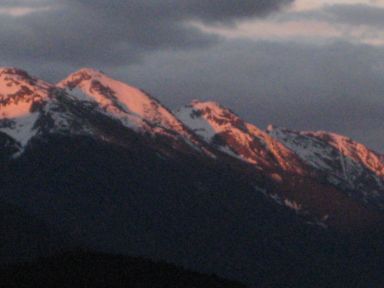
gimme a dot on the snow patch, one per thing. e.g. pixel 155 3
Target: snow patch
pixel 292 205
pixel 22 128
pixel 197 124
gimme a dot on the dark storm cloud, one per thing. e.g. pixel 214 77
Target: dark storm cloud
pixel 108 33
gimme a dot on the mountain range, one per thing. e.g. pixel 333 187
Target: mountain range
pixel 100 164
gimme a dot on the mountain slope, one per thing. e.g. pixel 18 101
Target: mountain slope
pixel 224 129
pixel 18 94
pixel 86 269
pixel 192 212
pixel 134 108
pixel 24 237
pixel 30 107
pixel 344 163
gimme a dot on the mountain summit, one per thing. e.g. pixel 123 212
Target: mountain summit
pixel 130 105
pixel 225 130
pixel 343 162
pixel 20 94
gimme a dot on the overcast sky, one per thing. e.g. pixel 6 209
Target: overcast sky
pixel 304 64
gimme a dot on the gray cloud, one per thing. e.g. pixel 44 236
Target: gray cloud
pixel 24 3
pixel 349 14
pixel 109 33
pixel 355 15
pixel 210 11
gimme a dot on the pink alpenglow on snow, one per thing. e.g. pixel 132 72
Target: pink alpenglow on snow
pixel 222 127
pixel 133 107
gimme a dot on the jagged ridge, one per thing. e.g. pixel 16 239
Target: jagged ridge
pixel 31 107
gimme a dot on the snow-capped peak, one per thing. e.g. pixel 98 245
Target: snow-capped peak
pixel 207 119
pixel 14 78
pixel 118 99
pixel 90 71
pixel 347 163
pixel 210 107
pixel 84 74
pixel 20 94
pixel 221 127
pixel 345 147
pixel 351 149
pixel 133 107
pixel 19 73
